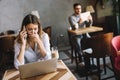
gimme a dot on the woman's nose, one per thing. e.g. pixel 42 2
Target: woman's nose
pixel 32 31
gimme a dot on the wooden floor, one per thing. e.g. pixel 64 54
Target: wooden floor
pixel 65 56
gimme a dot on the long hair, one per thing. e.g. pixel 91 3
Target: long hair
pixel 28 19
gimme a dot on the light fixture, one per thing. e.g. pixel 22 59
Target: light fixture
pixel 90 8
pixel 36 13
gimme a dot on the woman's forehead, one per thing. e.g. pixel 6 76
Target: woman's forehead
pixel 32 25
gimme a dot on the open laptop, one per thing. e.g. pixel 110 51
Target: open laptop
pixel 37 68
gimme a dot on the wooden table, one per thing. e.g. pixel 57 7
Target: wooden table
pixel 74 33
pixel 86 30
pixel 62 73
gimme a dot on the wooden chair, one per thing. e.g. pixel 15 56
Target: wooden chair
pixel 115 55
pixel 74 49
pixel 70 42
pixel 2 33
pixel 7 51
pixel 48 30
pixel 10 32
pixel 100 45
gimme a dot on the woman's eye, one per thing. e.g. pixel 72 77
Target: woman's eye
pixel 35 29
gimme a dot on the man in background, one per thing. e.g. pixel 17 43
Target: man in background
pixel 76 22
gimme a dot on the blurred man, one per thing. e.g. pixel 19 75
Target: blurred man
pixel 76 22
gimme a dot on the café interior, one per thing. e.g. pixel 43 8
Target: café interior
pixel 53 14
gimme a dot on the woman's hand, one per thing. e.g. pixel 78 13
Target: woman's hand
pixel 23 36
pixel 35 37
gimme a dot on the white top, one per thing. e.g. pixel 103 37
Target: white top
pixel 30 55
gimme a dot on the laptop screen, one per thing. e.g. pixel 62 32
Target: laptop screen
pixel 37 68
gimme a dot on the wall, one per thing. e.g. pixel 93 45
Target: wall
pixel 52 12
pixel 107 11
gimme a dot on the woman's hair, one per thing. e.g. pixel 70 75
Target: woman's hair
pixel 28 19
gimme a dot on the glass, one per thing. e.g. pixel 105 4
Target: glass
pixel 76 26
pixel 55 53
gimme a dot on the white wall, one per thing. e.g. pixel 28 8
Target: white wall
pixel 52 12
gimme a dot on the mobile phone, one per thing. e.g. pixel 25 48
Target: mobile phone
pixel 24 29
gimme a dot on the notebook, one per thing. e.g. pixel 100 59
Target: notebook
pixel 38 68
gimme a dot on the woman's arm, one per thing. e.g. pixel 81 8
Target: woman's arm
pixel 23 36
pixel 17 62
pixel 46 46
pixel 41 48
pixel 43 43
pixel 20 49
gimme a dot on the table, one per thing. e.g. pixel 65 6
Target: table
pixel 62 73
pixel 73 34
pixel 85 30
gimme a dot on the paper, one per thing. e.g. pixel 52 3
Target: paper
pixel 84 16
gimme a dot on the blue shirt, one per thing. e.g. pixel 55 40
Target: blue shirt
pixel 74 19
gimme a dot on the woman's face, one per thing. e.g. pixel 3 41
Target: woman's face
pixel 32 29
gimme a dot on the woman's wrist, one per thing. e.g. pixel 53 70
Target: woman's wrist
pixel 23 46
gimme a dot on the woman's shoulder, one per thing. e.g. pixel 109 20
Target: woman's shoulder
pixel 44 34
pixel 17 44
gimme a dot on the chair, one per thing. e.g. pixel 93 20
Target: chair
pixel 70 42
pixel 100 45
pixel 74 51
pixel 10 32
pixel 2 33
pixel 48 30
pixel 7 51
pixel 115 55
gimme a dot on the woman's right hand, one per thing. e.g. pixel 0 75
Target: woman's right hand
pixel 23 36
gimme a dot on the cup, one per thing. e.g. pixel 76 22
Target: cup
pixel 76 26
pixel 55 53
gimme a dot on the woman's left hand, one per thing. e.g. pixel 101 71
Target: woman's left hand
pixel 35 37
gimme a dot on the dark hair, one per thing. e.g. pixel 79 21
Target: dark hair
pixel 76 4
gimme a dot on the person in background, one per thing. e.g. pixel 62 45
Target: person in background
pixel 31 44
pixel 76 22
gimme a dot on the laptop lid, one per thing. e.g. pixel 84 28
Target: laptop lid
pixel 37 68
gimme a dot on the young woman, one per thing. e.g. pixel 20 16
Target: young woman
pixel 32 44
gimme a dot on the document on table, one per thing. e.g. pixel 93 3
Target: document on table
pixel 84 15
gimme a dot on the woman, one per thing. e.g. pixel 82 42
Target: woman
pixel 32 44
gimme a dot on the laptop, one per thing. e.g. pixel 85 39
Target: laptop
pixel 38 68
